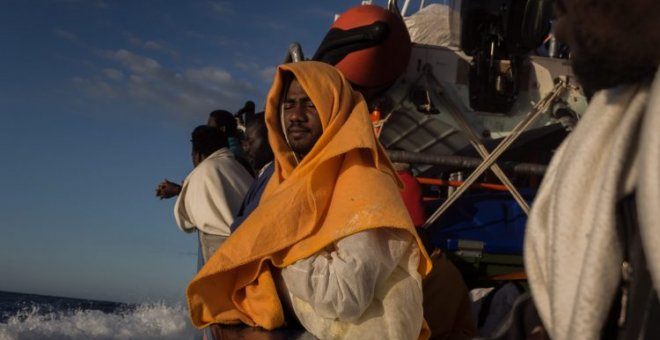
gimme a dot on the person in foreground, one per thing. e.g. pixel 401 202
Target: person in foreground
pixel 330 244
pixel 212 192
pixel 574 249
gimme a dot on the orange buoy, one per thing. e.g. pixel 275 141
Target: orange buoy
pixel 381 64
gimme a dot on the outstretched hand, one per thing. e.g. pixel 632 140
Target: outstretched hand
pixel 167 189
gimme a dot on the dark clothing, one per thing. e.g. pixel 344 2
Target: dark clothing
pixel 253 196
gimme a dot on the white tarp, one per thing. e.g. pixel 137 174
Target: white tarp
pixel 436 24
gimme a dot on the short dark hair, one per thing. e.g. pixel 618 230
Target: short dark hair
pixel 259 122
pixel 207 140
pixel 226 119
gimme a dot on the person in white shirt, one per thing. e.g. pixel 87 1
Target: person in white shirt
pixel 212 193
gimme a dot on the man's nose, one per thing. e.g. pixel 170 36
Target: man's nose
pixel 298 113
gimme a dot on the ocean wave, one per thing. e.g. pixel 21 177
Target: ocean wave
pixel 144 321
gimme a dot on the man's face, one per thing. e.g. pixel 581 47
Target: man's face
pixel 256 146
pixel 301 120
pixel 611 41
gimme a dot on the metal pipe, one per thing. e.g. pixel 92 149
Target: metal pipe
pixel 405 7
pixel 294 53
pixel 442 182
pixel 463 162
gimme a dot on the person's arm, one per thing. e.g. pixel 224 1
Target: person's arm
pixel 167 189
pixel 341 283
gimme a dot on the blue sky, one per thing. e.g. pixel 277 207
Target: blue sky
pixel 97 101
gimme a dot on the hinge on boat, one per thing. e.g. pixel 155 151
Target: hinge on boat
pixel 470 248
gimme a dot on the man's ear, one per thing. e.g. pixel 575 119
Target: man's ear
pixel 197 158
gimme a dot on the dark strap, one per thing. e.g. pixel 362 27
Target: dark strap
pixel 635 312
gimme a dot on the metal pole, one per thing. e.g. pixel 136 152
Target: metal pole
pixel 476 142
pixel 541 107
pixel 483 152
pixel 462 162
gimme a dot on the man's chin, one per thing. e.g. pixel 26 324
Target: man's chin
pixel 299 148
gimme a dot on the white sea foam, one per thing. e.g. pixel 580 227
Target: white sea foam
pixel 146 321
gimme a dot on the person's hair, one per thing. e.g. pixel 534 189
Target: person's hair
pixel 259 123
pixel 225 119
pixel 207 140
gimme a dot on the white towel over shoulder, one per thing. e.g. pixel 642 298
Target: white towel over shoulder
pixel 572 252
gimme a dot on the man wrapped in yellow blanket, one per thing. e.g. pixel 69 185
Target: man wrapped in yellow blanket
pixel 331 242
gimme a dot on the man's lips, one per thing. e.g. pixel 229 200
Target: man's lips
pixel 297 131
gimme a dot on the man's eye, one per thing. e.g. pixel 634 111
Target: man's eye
pixel 288 105
pixel 310 104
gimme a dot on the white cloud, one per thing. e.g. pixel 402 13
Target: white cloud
pixel 208 75
pixel 248 66
pixel 145 81
pixel 267 74
pixel 113 74
pixel 134 62
pixel 101 5
pixel 216 39
pixel 134 40
pixel 224 8
pixel 97 87
pixel 98 3
pixel 151 45
pixel 271 24
pixel 66 35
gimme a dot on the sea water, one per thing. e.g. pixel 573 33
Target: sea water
pixel 27 316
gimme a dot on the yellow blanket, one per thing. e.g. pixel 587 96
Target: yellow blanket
pixel 344 185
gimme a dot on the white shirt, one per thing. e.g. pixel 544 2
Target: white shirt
pixel 367 287
pixel 212 194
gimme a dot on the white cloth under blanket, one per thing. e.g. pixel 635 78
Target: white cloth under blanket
pixel 367 287
pixel 212 194
pixel 572 251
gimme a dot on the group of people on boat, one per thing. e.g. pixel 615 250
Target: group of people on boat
pixel 322 237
